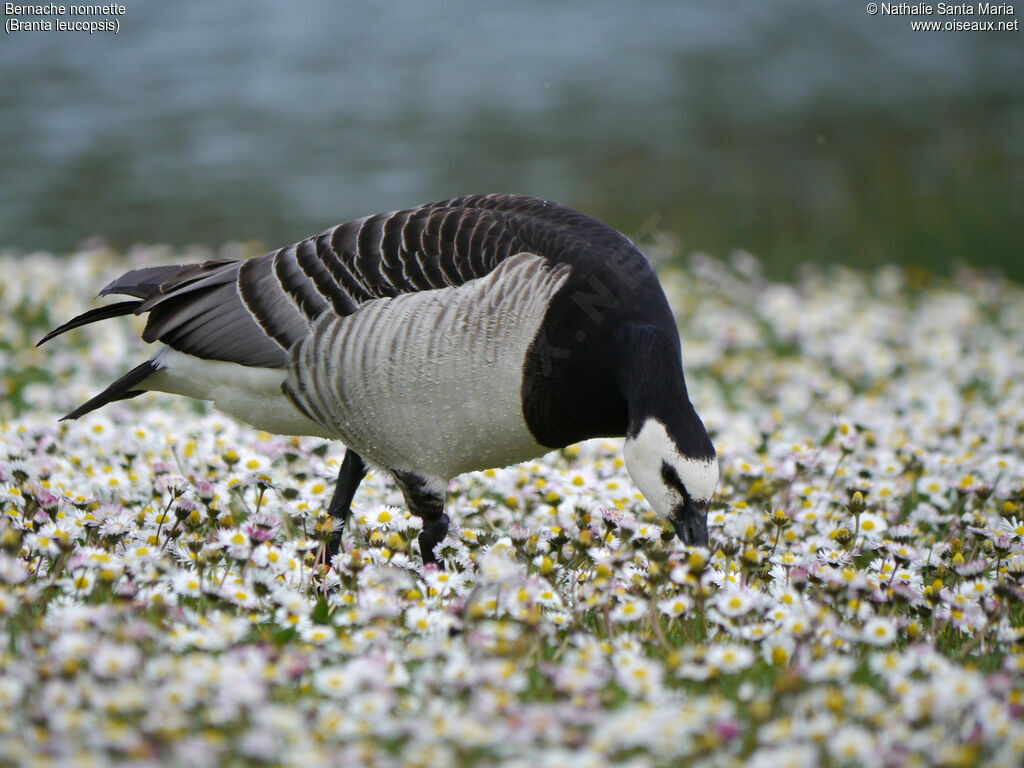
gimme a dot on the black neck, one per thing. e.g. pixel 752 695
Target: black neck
pixel 607 354
pixel 655 387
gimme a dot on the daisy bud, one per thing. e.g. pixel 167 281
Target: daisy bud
pixel 1003 544
pixel 10 539
pixel 204 489
pixel 531 544
pixel 856 505
pixel 842 536
pixel 798 578
pixel 696 562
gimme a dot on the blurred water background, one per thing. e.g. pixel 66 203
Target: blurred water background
pixel 795 129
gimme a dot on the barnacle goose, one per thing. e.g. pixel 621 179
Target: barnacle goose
pixel 460 335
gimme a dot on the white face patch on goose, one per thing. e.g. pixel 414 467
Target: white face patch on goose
pixel 655 463
pixel 699 477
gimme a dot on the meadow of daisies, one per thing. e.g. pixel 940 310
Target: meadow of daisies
pixel 164 598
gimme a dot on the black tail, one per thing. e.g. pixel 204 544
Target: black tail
pixel 143 283
pixel 195 309
pixel 92 316
pixel 140 283
pixel 122 389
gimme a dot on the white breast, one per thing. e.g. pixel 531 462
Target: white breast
pixel 430 382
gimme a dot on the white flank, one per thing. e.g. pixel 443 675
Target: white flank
pixel 430 382
pixel 644 455
pixel 249 394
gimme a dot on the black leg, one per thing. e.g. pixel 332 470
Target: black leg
pixel 427 503
pixel 433 533
pixel 352 472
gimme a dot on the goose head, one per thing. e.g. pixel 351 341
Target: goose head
pixel 677 480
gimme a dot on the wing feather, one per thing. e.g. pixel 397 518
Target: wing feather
pixel 342 277
pixel 269 302
pixel 296 283
pixel 252 312
pixel 307 254
pixel 370 258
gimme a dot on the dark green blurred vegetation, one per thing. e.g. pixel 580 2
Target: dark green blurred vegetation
pixel 863 192
pixel 798 132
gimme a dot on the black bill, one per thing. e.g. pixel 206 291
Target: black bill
pixel 691 523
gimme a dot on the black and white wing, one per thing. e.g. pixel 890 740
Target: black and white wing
pixel 253 312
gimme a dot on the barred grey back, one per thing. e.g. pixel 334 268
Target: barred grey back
pixel 380 256
pixel 431 376
pixel 253 312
